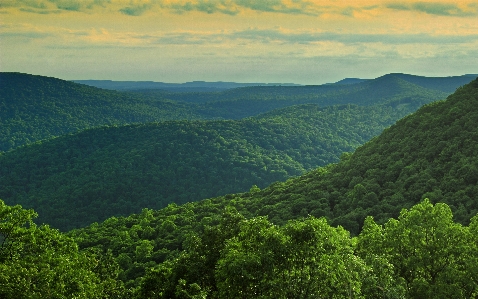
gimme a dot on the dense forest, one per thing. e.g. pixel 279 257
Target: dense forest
pixel 421 254
pixel 119 169
pixel 243 102
pixel 74 180
pixel 35 108
pixel 365 183
pixel 397 218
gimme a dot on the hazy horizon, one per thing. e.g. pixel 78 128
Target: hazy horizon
pixel 269 41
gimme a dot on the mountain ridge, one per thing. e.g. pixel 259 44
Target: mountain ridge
pixel 37 108
pixel 152 165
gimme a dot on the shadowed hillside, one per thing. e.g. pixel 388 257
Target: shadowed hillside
pixel 36 107
pixel 120 170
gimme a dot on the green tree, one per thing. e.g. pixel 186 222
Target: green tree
pixel 40 262
pixel 430 254
pixel 304 259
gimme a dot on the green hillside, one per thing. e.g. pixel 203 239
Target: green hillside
pixel 221 248
pixel 430 153
pixel 248 101
pixel 36 107
pixel 445 84
pixel 74 180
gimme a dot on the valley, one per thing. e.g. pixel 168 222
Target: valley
pixel 195 194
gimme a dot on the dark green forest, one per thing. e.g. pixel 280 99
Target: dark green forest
pixel 362 184
pixel 397 218
pixel 35 108
pixel 248 101
pixel 79 178
pixel 74 180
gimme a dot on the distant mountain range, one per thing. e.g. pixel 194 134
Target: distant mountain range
pixel 35 108
pixel 194 86
pixel 445 84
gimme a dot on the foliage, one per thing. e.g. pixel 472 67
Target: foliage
pixel 40 262
pixel 338 192
pixel 429 254
pixel 78 179
pixel 422 254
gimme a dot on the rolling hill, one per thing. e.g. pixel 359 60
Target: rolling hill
pixel 431 153
pixel 36 107
pixel 248 101
pixel 89 176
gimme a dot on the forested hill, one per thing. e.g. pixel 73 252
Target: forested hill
pixel 37 107
pixel 249 101
pixel 221 248
pixel 445 84
pixel 432 153
pixel 194 86
pixel 77 179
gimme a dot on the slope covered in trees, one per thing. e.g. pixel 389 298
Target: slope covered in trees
pixel 430 153
pixel 249 101
pixel 208 249
pixel 40 262
pixel 78 179
pixel 422 254
pixel 37 107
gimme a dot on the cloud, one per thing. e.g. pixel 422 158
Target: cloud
pixel 72 5
pixel 277 36
pixel 436 8
pixel 26 35
pixel 288 7
pixel 135 10
pixel 235 7
pixel 40 11
pixel 180 7
pixel 309 37
pixel 54 6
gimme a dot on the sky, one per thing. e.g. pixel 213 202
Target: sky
pixel 267 41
